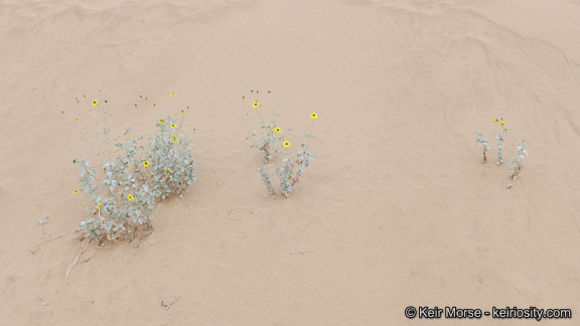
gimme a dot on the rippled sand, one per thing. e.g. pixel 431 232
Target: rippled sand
pixel 396 210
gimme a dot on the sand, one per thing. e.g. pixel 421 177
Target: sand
pixel 396 210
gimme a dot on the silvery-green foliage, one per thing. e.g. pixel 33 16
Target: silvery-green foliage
pixel 172 167
pixel 113 215
pixel 500 138
pixel 515 163
pixel 290 171
pixel 265 139
pixel 263 170
pixel 125 203
pixel 286 176
pixel 88 177
pixel 483 144
pixel 517 160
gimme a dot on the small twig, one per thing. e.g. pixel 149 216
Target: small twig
pixel 266 150
pixel 73 264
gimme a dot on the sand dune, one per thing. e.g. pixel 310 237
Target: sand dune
pixel 396 210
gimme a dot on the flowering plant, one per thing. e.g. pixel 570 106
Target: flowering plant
pixel 516 161
pixel 276 150
pixel 123 197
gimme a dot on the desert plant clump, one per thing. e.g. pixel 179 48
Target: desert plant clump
pixel 138 173
pixel 515 163
pixel 124 206
pixel 172 168
pixel 278 157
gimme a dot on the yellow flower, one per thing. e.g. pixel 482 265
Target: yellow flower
pixel 256 104
pixel 169 170
pixel 127 164
pixel 162 121
pixel 502 123
pixel 494 120
pixel 172 95
pixel 75 192
pixel 95 102
pixel 313 115
pixel 99 205
pixel 146 163
pixel 172 125
pixel 174 139
pixel 277 129
pixel 77 118
pixel 286 144
pixel 130 197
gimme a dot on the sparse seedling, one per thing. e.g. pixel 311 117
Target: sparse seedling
pixel 123 197
pixel 516 163
pixel 484 145
pixel 276 150
pixel 501 136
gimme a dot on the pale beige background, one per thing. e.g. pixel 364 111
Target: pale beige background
pixel 396 209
